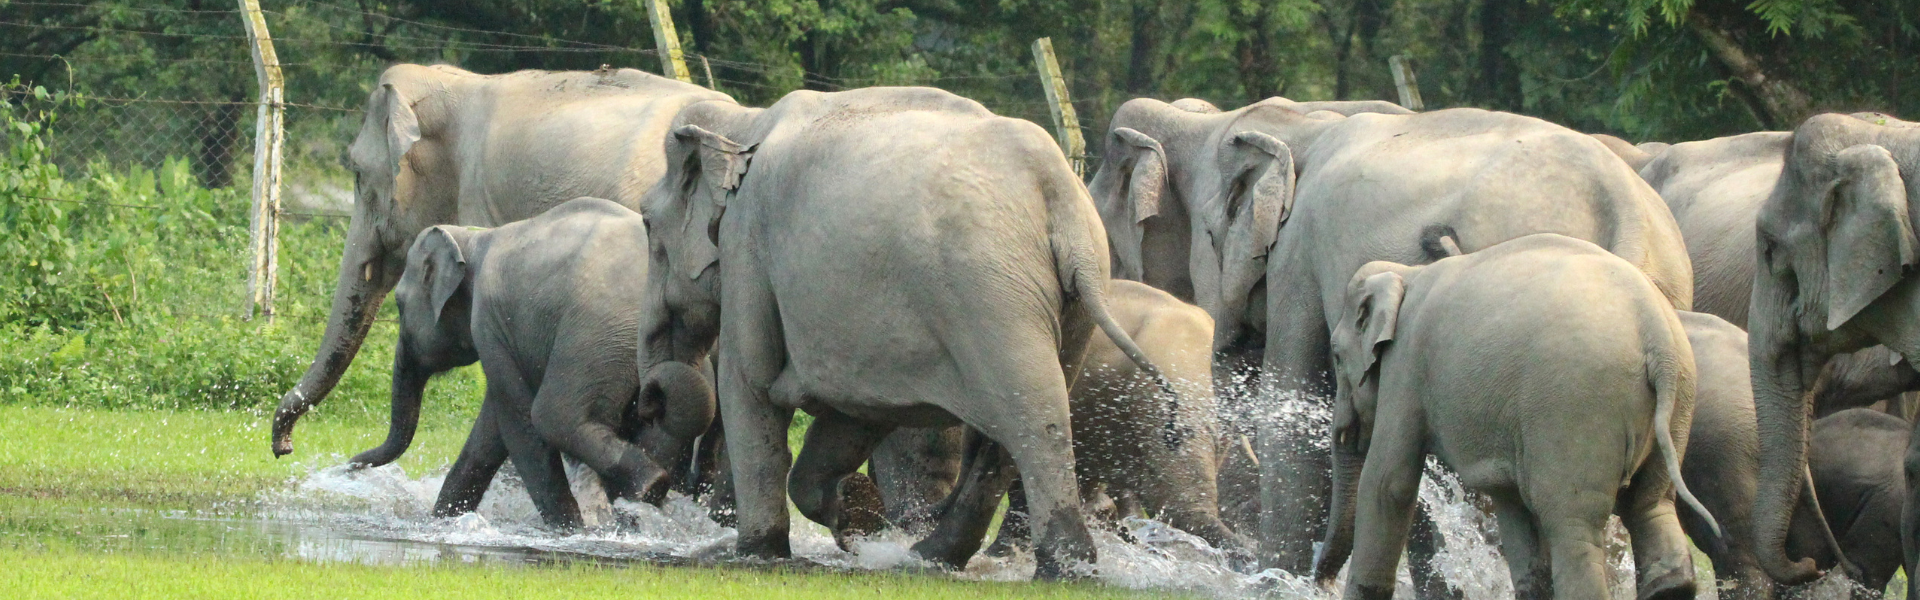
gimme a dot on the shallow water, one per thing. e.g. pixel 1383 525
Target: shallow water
pixel 380 516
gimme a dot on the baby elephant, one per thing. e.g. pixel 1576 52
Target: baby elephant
pixel 549 307
pixel 1854 460
pixel 1546 372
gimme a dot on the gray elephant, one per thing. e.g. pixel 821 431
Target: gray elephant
pixel 1551 375
pixel 1634 156
pixel 1264 212
pixel 1715 189
pixel 1854 465
pixel 1835 252
pixel 882 257
pixel 1116 408
pixel 440 145
pixel 545 306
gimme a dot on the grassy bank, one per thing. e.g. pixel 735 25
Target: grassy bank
pixel 181 458
pixel 68 574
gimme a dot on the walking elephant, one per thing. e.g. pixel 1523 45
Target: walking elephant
pixel 882 258
pixel 1263 213
pixel 1716 188
pixel 1551 375
pixel 1117 407
pixel 545 306
pixel 440 145
pixel 1835 251
pixel 1855 467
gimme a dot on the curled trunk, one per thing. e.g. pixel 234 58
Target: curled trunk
pixel 366 276
pixel 1783 412
pixel 685 397
pixel 409 386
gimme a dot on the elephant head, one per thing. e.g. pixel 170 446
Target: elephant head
pixel 1833 240
pixel 436 303
pixel 398 144
pixel 1364 331
pixel 683 213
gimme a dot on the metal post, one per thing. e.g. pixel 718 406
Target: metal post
pixel 672 62
pixel 269 133
pixel 1064 119
pixel 1403 79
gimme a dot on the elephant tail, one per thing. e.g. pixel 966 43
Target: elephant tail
pixel 1670 381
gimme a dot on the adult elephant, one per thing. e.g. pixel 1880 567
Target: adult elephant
pixel 545 306
pixel 1835 250
pixel 1715 189
pixel 882 257
pixel 439 145
pixel 1200 200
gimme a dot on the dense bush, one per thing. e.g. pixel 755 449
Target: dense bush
pixel 124 289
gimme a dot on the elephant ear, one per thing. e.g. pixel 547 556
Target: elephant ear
pixel 1147 177
pixel 446 266
pixel 1258 195
pixel 403 126
pixel 1143 177
pixel 1378 314
pixel 711 168
pixel 1870 240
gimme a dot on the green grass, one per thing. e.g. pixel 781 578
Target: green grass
pixel 181 458
pixel 60 573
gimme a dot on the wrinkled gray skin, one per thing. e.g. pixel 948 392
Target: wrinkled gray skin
pixel 1634 156
pixel 1855 468
pixel 915 469
pixel 1569 402
pixel 1835 248
pixel 440 145
pixel 883 257
pixel 1349 191
pixel 1715 189
pixel 1119 418
pixel 545 306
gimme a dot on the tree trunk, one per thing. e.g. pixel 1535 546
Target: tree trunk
pixel 1254 54
pixel 1498 83
pixel 1776 100
pixel 1140 78
pixel 219 135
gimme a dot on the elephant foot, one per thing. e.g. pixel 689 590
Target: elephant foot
pixel 861 511
pixel 1369 592
pixel 763 545
pixel 1066 551
pixel 1670 584
pixel 635 477
pixel 944 551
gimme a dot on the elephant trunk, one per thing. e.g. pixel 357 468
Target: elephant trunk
pixel 409 386
pixel 366 276
pixel 1338 544
pixel 1780 363
pixel 685 396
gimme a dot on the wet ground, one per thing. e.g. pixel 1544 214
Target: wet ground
pixel 380 516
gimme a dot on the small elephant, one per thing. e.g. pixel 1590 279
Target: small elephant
pixel 1544 370
pixel 1119 413
pixel 1855 466
pixel 545 306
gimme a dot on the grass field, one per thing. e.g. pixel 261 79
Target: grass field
pixel 73 461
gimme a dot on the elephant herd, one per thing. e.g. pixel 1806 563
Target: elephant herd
pixel 1254 325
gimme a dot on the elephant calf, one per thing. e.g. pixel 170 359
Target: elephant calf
pixel 1546 372
pixel 1854 461
pixel 546 306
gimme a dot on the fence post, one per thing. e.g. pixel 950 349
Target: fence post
pixel 1064 119
pixel 1403 79
pixel 672 62
pixel 269 132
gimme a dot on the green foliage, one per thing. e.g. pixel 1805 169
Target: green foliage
pixel 122 288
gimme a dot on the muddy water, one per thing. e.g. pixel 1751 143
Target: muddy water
pixel 380 516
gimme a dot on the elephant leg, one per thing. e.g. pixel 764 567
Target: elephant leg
pixel 1910 515
pixel 1025 410
pixel 1661 554
pixel 1015 529
pixel 915 469
pixel 576 411
pixel 473 471
pixel 964 516
pixel 1295 473
pixel 1383 511
pixel 1579 561
pixel 543 473
pixel 826 484
pixel 756 441
pixel 1527 559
